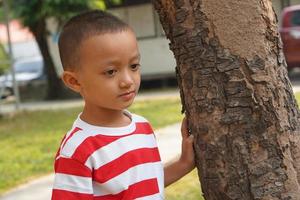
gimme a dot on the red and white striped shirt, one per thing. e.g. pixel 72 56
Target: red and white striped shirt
pixel 102 163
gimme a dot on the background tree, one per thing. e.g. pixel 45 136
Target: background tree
pixel 237 96
pixel 34 13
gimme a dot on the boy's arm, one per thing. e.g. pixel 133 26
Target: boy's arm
pixel 72 180
pixel 185 163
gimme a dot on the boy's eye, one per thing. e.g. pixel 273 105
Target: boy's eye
pixel 135 66
pixel 110 72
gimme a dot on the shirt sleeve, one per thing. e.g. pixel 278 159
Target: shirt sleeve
pixel 73 180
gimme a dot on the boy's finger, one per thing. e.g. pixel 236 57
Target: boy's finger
pixel 191 138
pixel 184 129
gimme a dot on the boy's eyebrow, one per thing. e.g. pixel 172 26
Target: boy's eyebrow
pixel 133 58
pixel 136 57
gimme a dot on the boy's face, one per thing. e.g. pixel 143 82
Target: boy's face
pixel 109 71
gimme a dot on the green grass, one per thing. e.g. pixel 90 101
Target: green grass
pixel 28 143
pixel 159 112
pixel 186 188
pixel 30 140
pixel 297 95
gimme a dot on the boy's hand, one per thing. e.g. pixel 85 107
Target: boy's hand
pixel 187 157
pixel 177 169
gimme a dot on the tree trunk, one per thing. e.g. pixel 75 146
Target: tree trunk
pixel 237 97
pixel 54 83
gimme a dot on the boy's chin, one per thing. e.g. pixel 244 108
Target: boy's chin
pixel 128 104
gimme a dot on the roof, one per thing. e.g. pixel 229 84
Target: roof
pixel 18 33
pixel 291 8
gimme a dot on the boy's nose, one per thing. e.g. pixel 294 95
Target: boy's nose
pixel 127 80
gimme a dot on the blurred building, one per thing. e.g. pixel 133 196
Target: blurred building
pixel 140 15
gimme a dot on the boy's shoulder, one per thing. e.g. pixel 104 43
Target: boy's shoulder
pixel 72 139
pixel 138 118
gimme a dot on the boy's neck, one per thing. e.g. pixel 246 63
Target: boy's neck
pixel 105 117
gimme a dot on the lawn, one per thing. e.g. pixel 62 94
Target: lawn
pixel 29 142
pixel 297 95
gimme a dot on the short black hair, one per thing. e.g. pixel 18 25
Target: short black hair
pixel 81 27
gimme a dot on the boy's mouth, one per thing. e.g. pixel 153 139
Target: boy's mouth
pixel 128 95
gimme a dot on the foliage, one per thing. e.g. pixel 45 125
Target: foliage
pixel 4 60
pixel 33 12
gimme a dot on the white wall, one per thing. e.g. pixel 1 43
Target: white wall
pixel 156 58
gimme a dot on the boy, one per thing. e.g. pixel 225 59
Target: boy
pixel 109 153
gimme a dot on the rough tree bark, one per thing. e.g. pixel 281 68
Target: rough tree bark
pixel 237 96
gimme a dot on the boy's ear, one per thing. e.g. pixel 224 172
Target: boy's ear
pixel 71 80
